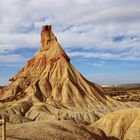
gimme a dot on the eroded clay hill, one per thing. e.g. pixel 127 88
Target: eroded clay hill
pixel 48 86
pixel 121 125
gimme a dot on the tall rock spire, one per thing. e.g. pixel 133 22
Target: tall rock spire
pixel 47 37
pixel 50 44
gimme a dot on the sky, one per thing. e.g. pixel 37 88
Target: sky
pixel 102 37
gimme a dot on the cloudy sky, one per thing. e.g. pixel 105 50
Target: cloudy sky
pixel 102 37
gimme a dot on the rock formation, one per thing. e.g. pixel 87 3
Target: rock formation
pixel 48 80
pixel 49 77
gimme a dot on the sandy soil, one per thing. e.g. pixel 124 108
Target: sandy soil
pixel 52 130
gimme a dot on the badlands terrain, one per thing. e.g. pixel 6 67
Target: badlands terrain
pixel 49 99
pixel 124 92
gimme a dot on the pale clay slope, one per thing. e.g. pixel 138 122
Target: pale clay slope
pixel 52 130
pixel 123 124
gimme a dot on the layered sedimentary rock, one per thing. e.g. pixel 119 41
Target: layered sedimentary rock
pixel 49 86
pixel 51 78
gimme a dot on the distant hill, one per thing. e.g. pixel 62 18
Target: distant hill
pixel 130 84
pixel 123 85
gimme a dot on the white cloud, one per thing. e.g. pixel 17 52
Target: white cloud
pixel 97 64
pixel 113 78
pixel 121 56
pixel 86 24
pixel 11 58
pixel 18 40
pixel 77 23
pixel 91 55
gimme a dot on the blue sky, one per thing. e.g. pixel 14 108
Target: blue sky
pixel 102 37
